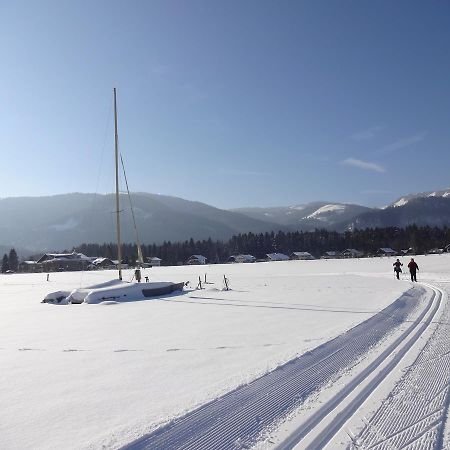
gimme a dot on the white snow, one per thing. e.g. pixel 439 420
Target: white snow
pixel 400 202
pixel 325 210
pixel 433 194
pixel 100 375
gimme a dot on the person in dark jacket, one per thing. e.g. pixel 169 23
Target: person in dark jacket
pixel 398 268
pixel 413 267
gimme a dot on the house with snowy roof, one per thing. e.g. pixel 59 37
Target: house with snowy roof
pixel 277 257
pixel 104 263
pixel 153 261
pixel 73 255
pixel 331 255
pixel 352 253
pixel 30 266
pixel 435 251
pixel 196 260
pixel 64 261
pixel 387 251
pixel 304 256
pixel 242 259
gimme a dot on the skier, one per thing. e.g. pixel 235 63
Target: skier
pixel 398 268
pixel 413 267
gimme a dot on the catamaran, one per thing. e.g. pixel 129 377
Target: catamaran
pixel 117 290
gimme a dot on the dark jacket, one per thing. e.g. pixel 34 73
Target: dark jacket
pixel 413 266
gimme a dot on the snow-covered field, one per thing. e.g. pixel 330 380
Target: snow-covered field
pixel 100 376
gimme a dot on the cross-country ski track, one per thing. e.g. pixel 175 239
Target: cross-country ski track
pixel 414 414
pixel 238 419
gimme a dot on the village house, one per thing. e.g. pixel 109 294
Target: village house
pixel 387 251
pixel 153 261
pixel 435 251
pixel 352 253
pixel 304 256
pixel 242 259
pixel 196 260
pixel 29 266
pixel 331 255
pixel 277 257
pixel 51 262
pixel 104 263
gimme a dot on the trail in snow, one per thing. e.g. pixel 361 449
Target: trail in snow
pixel 414 414
pixel 382 366
pixel 237 419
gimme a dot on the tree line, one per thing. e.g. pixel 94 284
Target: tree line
pixel 10 261
pixel 420 239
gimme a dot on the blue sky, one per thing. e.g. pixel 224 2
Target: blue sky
pixel 236 103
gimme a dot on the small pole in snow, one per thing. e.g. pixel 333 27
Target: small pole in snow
pixel 199 285
pixel 48 277
pixel 205 278
pixel 225 281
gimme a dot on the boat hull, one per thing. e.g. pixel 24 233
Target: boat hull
pixel 115 291
pixel 163 290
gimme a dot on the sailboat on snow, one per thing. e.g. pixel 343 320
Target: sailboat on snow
pixel 117 290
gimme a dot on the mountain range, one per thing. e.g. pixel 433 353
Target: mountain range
pixel 34 224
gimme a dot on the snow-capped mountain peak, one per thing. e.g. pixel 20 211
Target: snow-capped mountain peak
pixel 401 202
pixel 325 210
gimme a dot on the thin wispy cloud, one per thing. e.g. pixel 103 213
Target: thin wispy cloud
pixel 365 165
pixel 402 143
pixel 239 172
pixel 365 135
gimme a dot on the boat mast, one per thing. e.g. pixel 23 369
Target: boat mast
pixel 116 142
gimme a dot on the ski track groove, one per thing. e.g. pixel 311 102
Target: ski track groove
pixel 326 435
pixel 237 419
pixel 414 413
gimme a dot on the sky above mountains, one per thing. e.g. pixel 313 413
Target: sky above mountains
pixel 230 103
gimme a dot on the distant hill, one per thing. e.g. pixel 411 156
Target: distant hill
pixel 309 216
pixel 402 201
pixel 60 222
pixel 420 210
pixel 63 221
pixel 426 208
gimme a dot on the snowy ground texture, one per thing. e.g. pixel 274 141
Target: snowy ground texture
pixel 102 376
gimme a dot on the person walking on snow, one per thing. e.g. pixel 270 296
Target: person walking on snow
pixel 398 268
pixel 413 267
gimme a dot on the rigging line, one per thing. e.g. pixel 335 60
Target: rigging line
pixel 105 138
pixel 138 244
pixel 97 183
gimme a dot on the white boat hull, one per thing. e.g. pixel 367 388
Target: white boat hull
pixel 115 290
